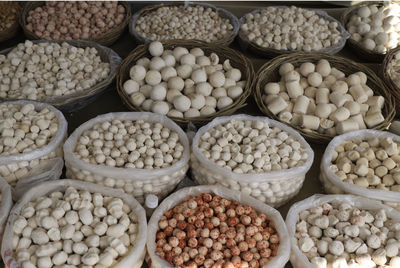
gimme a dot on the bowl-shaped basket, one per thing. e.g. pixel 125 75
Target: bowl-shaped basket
pixel 237 60
pixel 393 87
pixel 13 30
pixel 269 72
pixel 105 39
pixel 251 46
pixel 220 11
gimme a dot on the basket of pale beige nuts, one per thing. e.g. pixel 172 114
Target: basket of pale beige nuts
pixel 184 21
pixel 374 28
pixel 137 153
pixel 323 95
pixel 273 31
pixel 187 81
pixel 365 163
pixel 9 15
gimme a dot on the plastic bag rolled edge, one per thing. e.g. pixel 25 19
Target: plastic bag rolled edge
pixel 176 198
pixel 6 201
pixel 352 188
pixel 270 176
pixel 233 20
pixel 126 173
pixel 51 146
pixel 244 41
pixel 135 252
pixel 316 200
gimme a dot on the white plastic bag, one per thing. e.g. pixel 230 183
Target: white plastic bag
pixel 178 197
pixel 297 258
pixel 18 166
pixel 5 204
pixel 138 182
pixel 133 259
pixel 334 185
pixel 274 188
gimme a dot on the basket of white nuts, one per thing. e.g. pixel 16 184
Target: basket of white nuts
pixel 323 95
pixel 32 133
pixel 189 81
pixel 211 226
pixel 66 74
pixel 73 223
pixel 365 163
pixel 374 28
pixel 184 21
pixel 6 204
pixel 391 72
pixel 273 31
pixel 137 153
pixel 257 156
pixel 343 231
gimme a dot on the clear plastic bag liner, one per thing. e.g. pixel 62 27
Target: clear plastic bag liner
pixel 135 256
pixel 47 170
pixel 244 41
pixel 45 150
pixel 176 198
pixel 277 175
pixel 5 204
pixel 106 54
pixel 297 258
pixel 383 195
pixel 126 173
pixel 223 13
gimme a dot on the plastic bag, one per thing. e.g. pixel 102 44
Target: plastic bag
pixel 134 258
pixel 5 204
pixel 274 187
pixel 297 258
pixel 77 100
pixel 18 166
pixel 138 182
pixel 244 41
pixel 333 184
pixel 174 199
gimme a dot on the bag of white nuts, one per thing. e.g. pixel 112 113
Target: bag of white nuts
pixel 343 231
pixel 365 163
pixel 75 224
pixel 180 196
pixel 138 153
pixel 257 156
pixel 5 204
pixel 31 134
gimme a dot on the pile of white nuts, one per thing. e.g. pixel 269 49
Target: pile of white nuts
pixel 321 98
pixel 180 22
pixel 73 228
pixel 340 235
pixel 129 144
pixel 290 28
pixel 371 163
pixel 376 28
pixel 35 71
pixel 24 129
pixel 393 68
pixel 251 147
pixel 182 83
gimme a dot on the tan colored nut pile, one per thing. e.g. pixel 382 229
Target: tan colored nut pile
pixel 8 15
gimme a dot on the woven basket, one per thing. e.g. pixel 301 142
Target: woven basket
pixel 77 100
pixel 236 59
pixel 246 44
pixel 105 39
pixel 269 72
pixel 220 11
pixel 13 30
pixel 394 88
pixel 358 49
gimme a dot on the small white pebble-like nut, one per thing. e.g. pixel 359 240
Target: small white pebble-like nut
pixel 85 215
pixel 156 48
pixel 137 73
pixel 182 103
pixel 153 77
pixel 314 79
pixel 336 248
pixel 305 244
pixel 90 258
pixel 158 93
pixel 217 79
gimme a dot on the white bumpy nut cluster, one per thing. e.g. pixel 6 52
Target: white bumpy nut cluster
pixel 371 163
pixel 341 235
pixel 130 144
pixel 321 98
pixel 393 69
pixel 179 22
pixel 251 147
pixel 73 229
pixel 182 83
pixel 36 71
pixel 290 28
pixel 376 28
